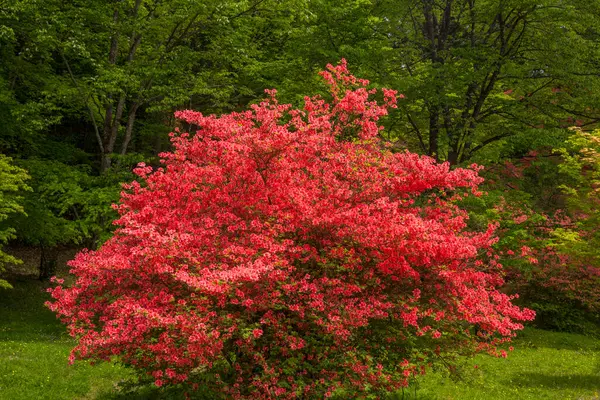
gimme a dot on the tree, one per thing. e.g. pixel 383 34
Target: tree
pixel 66 206
pixel 12 182
pixel 289 253
pixel 95 68
pixel 31 95
pixel 478 73
pixel 127 56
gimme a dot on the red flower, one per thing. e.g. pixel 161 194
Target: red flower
pixel 257 333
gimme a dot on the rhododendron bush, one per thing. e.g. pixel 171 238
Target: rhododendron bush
pixel 287 253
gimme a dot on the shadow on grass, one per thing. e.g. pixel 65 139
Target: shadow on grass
pixel 148 394
pixel 23 315
pixel 151 392
pixel 572 381
pixel 413 397
pixel 410 394
pixel 534 338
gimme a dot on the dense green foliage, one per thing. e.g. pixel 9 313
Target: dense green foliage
pixel 12 181
pixel 89 88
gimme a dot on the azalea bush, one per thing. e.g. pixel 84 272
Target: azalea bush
pixel 289 253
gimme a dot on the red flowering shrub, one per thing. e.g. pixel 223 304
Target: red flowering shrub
pixel 271 259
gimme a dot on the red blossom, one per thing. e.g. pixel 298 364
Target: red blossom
pixel 300 227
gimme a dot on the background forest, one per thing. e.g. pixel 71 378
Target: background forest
pixel 88 89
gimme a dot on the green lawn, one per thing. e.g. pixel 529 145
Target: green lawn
pixel 544 365
pixel 34 349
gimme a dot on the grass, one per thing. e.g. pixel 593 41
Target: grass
pixel 544 365
pixel 34 349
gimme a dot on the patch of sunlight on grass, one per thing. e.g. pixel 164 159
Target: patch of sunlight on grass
pixel 544 365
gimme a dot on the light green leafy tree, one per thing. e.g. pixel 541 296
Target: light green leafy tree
pixel 581 167
pixel 67 207
pixel 106 64
pixel 12 184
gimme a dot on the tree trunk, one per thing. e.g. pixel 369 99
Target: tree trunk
pixel 110 129
pixel 129 127
pixel 47 264
pixel 453 155
pixel 434 134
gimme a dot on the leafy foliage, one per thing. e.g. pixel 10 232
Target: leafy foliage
pixel 12 183
pixel 548 230
pixel 67 206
